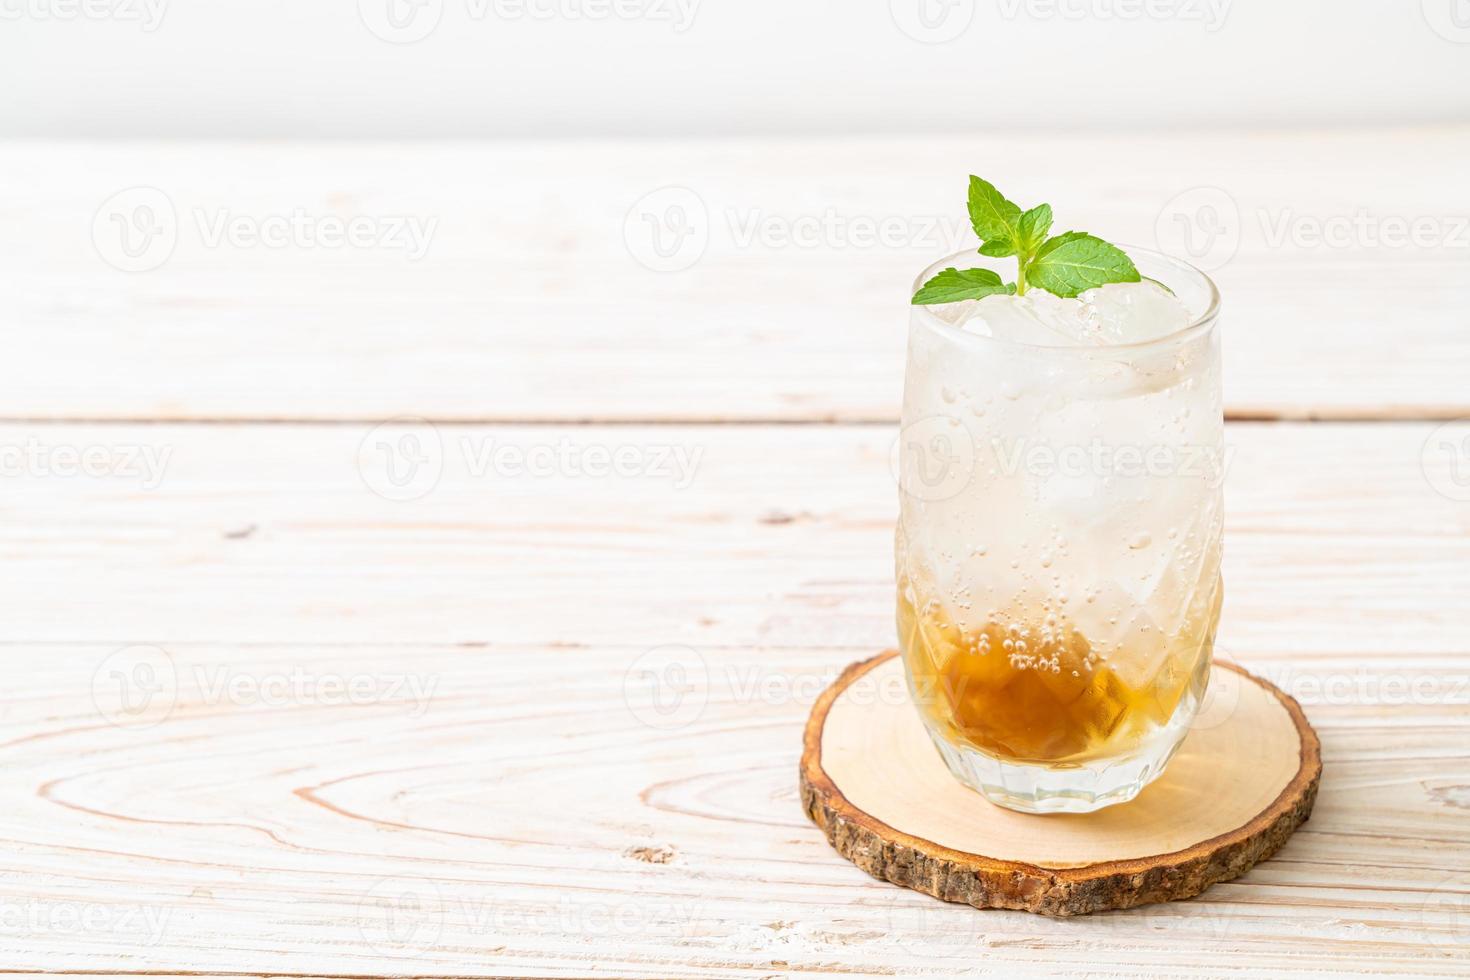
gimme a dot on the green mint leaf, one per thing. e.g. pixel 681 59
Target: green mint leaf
pixel 1070 263
pixel 1032 227
pixel 991 215
pixel 953 285
pixel 1062 239
pixel 998 248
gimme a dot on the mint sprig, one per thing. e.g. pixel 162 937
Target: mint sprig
pixel 1064 264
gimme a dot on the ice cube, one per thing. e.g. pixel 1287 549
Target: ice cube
pixel 1131 312
pixel 1122 631
pixel 1119 313
pixel 954 314
pixel 1037 318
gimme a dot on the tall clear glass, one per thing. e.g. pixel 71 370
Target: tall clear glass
pixel 1058 549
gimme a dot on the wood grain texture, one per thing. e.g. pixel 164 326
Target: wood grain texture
pixel 782 536
pixel 532 709
pixel 546 725
pixel 529 303
pixel 535 817
pixel 1241 784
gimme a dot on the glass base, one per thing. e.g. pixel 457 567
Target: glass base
pixel 1068 788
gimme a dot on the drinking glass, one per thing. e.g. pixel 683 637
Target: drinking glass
pixel 1058 547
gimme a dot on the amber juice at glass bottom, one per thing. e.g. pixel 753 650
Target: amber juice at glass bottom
pixel 1036 690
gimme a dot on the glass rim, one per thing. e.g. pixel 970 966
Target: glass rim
pixel 1198 325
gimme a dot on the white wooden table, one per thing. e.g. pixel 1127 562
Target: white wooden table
pixel 270 712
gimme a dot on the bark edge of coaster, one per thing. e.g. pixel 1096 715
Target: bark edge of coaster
pixel 873 783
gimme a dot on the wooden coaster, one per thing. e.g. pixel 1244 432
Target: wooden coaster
pixel 1244 779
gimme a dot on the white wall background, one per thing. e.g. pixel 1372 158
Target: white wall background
pixel 671 67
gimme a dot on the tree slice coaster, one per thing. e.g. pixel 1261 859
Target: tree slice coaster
pixel 1244 779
